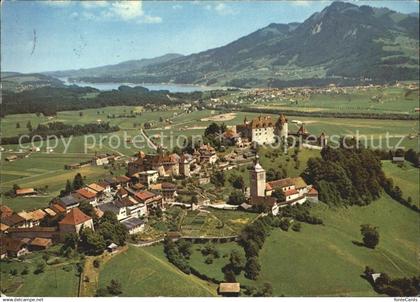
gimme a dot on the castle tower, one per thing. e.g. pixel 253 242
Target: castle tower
pixel 282 127
pixel 257 179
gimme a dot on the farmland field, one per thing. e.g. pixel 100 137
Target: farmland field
pixel 145 272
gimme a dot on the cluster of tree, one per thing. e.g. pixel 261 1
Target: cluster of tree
pixel 59 129
pixel 346 175
pixel 300 212
pixel 218 178
pixel 355 115
pixel 252 239
pixel 410 155
pixel 396 193
pixel 113 289
pixel 107 230
pixel 50 100
pixel 370 235
pixel 77 184
pixel 236 197
pixel 234 267
pixel 211 252
pixel 265 290
pixel 400 287
pixel 213 135
pixel 178 253
pixel 237 181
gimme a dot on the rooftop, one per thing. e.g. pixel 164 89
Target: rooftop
pixel 75 217
pixel 229 288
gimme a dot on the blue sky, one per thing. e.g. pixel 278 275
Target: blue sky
pixel 72 35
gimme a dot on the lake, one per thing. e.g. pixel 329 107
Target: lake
pixel 170 87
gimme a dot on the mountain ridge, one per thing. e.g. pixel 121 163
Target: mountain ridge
pixel 343 43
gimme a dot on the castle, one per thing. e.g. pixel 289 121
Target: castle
pixel 263 130
pixel 295 190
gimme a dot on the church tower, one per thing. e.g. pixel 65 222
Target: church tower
pixel 257 179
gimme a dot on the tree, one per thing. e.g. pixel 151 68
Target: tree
pixel 114 287
pixel 80 113
pixel 236 198
pixel 40 267
pixel 17 125
pixel 218 179
pixel 184 247
pixel 296 227
pixel 92 242
pixel 29 126
pixel 265 291
pixel 279 195
pixel 78 182
pixel 212 130
pixel 252 268
pixel 370 235
pixel 238 182
pixel 236 262
pixel 87 208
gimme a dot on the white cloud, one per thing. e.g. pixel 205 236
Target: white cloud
pixel 94 4
pixel 223 9
pixel 300 2
pixel 218 7
pixel 130 11
pixel 127 10
pixel 177 6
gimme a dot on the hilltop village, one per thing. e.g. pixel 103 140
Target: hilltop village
pixel 152 183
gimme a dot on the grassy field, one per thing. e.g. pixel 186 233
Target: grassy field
pixel 406 177
pixel 44 171
pixel 58 280
pixel 145 272
pixel 323 260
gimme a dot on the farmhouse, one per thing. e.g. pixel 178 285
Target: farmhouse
pixel 40 244
pixel 12 247
pixel 25 192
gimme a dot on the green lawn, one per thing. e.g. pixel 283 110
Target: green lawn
pixel 145 272
pixel 323 260
pixel 55 281
pixel 406 177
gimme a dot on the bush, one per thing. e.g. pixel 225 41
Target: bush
pixel 284 225
pixel 40 267
pixel 296 227
pixel 114 287
pixel 209 259
pixel 96 263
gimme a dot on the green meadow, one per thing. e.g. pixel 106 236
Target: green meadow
pixel 406 177
pixel 326 260
pixel 145 272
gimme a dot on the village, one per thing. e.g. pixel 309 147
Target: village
pixel 153 182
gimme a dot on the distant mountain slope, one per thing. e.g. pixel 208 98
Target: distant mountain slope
pixel 120 69
pixel 16 82
pixel 344 43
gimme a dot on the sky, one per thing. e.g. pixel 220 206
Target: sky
pixel 59 35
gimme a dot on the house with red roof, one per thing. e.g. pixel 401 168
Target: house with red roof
pixel 74 221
